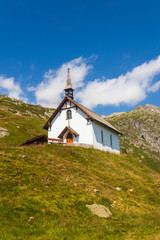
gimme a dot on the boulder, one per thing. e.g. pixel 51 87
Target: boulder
pixel 99 210
pixel 3 132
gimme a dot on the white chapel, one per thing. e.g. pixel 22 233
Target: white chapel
pixel 74 124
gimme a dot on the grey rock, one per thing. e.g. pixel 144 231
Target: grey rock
pixel 99 210
pixel 3 132
pixel 118 189
pixel 96 190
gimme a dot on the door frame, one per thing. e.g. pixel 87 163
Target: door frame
pixel 67 135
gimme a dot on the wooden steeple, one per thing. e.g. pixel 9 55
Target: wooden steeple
pixel 68 89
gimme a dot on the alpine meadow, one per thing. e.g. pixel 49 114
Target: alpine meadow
pixel 46 189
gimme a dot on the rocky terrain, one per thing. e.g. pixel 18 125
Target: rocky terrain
pixel 140 133
pixel 23 109
pixel 149 107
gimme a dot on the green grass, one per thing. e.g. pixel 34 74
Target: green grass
pixel 54 183
pixel 23 121
pixel 45 189
pixel 20 128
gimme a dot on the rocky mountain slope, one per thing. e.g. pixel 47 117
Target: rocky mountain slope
pixel 149 107
pixel 141 133
pixel 20 108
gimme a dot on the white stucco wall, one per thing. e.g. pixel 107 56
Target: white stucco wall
pixel 77 123
pixel 106 146
pixel 89 132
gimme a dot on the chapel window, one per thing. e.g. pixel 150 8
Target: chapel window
pixel 111 142
pixel 69 114
pixel 102 139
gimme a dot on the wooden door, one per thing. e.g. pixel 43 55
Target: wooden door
pixel 69 138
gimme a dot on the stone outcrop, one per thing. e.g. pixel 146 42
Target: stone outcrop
pixel 149 107
pixel 140 133
pixel 99 210
pixel 147 134
pixel 3 132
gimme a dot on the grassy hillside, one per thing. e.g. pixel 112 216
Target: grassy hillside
pixel 22 121
pixel 45 189
pixel 141 135
pixel 20 128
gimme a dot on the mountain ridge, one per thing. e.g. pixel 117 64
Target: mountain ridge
pixel 149 107
pixel 24 109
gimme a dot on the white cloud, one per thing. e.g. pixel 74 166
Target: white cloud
pixel 130 88
pixel 48 92
pixel 31 89
pixel 155 87
pixel 10 87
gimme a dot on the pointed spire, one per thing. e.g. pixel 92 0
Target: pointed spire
pixel 68 89
pixel 69 84
pixel 69 78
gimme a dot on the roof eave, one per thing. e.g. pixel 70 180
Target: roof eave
pixel 54 114
pixel 67 129
pixel 68 87
pixel 90 117
pixel 34 138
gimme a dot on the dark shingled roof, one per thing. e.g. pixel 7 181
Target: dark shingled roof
pixel 43 136
pixel 90 115
pixel 95 116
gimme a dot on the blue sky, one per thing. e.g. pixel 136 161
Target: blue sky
pixel 99 40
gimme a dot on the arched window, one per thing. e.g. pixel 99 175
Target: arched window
pixel 102 140
pixel 69 114
pixel 111 143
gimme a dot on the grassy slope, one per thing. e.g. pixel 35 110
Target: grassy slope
pixel 53 184
pixel 15 106
pixel 23 121
pixel 20 128
pixel 131 140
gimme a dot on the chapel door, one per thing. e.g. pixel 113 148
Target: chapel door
pixel 69 138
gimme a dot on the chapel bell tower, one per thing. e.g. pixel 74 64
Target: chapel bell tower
pixel 68 89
